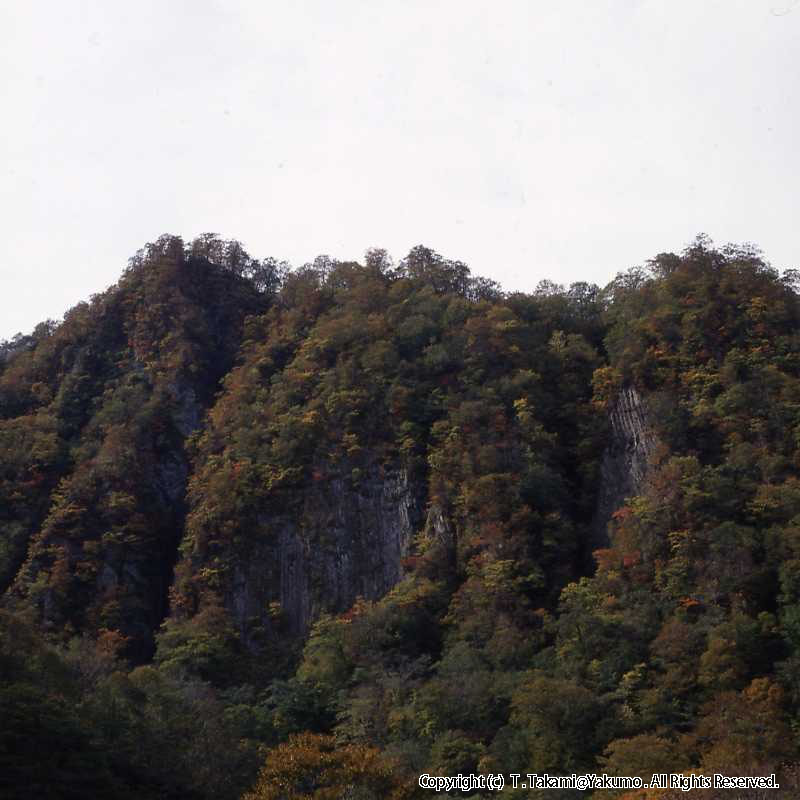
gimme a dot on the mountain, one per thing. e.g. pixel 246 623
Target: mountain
pixel 248 512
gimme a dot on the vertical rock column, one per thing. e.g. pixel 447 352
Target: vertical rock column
pixel 625 460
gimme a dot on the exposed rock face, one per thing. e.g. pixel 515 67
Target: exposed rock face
pixel 625 460
pixel 187 413
pixel 348 540
pixel 172 469
pixel 129 571
pixel 438 526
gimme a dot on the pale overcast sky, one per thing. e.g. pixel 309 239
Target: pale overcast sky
pixel 530 139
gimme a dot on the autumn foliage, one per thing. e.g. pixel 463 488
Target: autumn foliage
pixel 155 442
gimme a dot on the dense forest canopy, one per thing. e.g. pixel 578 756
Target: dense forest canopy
pixel 311 532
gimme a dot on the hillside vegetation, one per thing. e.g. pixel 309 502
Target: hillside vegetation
pixel 310 533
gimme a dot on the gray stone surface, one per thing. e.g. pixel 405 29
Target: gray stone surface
pixel 626 458
pixel 347 540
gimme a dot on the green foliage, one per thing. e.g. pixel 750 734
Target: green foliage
pixel 93 419
pixel 77 724
pixel 156 446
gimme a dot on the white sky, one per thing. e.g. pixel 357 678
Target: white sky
pixel 529 138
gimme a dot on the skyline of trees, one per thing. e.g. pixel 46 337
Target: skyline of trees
pixel 154 444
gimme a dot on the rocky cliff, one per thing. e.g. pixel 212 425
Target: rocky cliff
pixel 625 461
pixel 345 540
pixel 187 449
pixel 119 387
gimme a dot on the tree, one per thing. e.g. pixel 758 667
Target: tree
pixel 315 767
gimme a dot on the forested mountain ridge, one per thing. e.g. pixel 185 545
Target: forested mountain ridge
pixel 95 416
pixel 448 528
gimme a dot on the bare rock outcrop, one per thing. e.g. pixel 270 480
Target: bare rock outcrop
pixel 625 460
pixel 347 540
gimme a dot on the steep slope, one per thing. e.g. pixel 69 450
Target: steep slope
pixel 685 633
pixel 680 651
pixel 380 488
pixel 626 458
pixel 93 422
pixel 365 398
